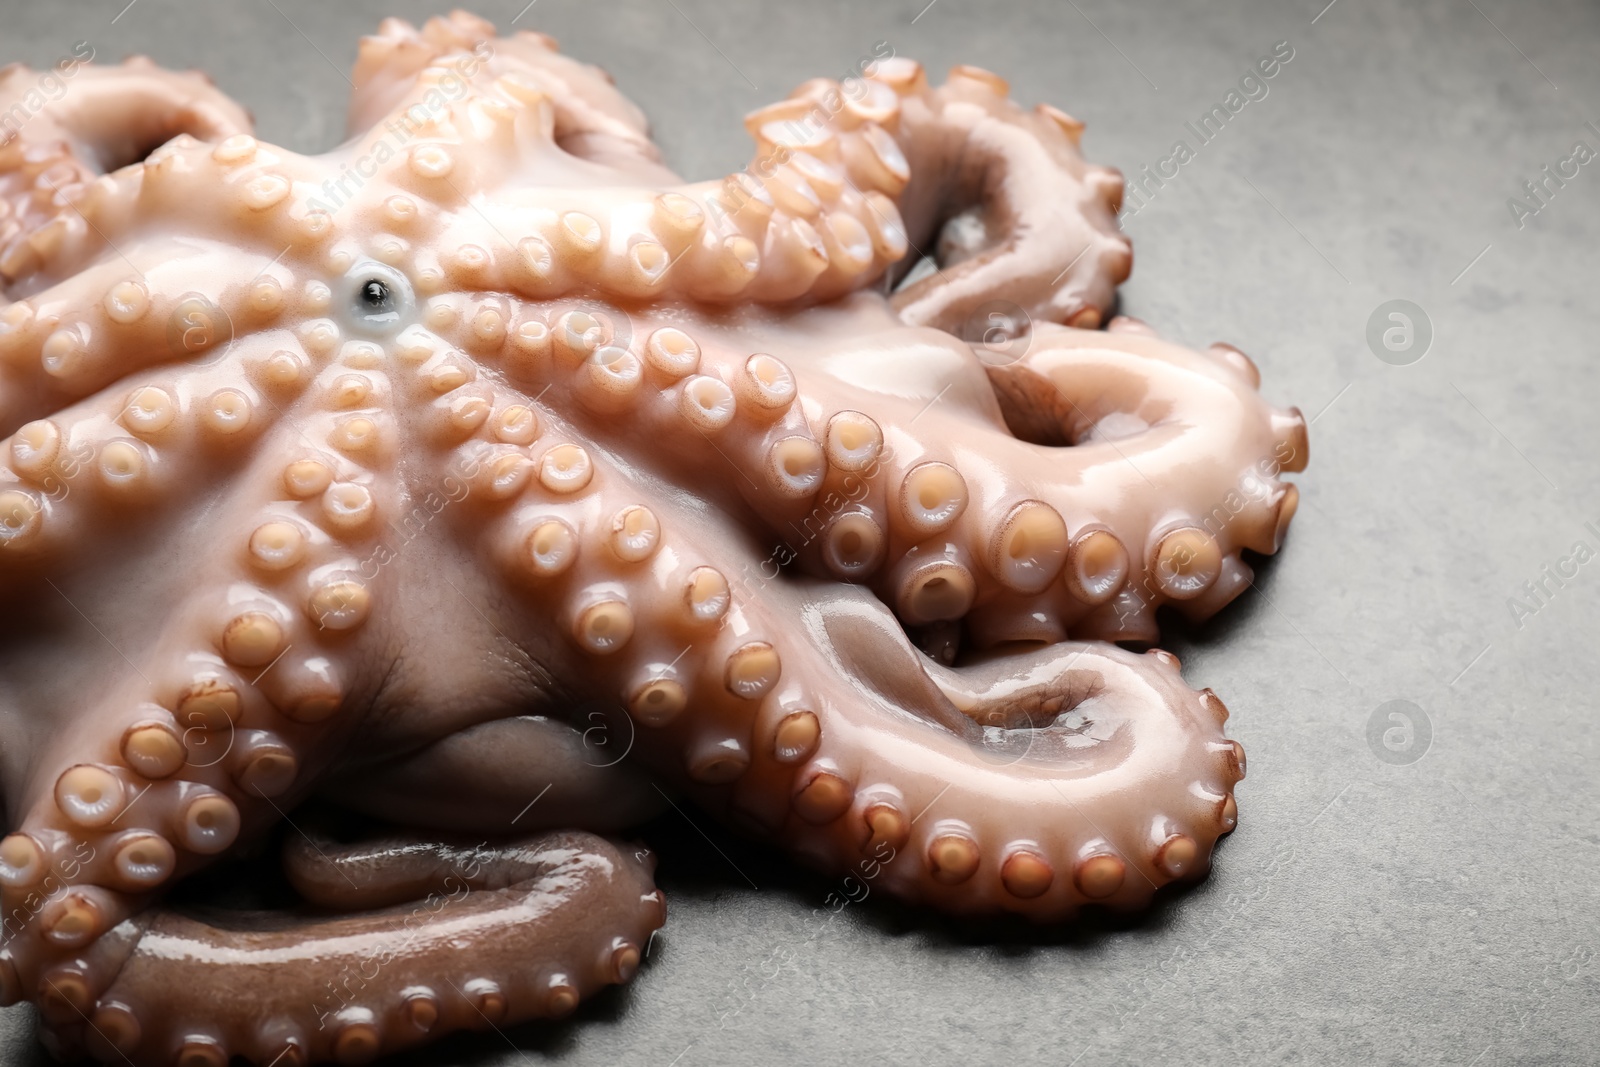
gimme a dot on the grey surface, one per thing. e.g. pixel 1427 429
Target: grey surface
pixel 1436 912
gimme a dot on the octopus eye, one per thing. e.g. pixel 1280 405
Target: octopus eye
pixel 380 298
pixel 375 294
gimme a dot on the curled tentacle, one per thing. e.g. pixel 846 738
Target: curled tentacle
pixel 1052 493
pixel 388 61
pixel 1062 496
pixel 113 116
pixel 1017 213
pixel 1033 782
pixel 102 120
pixel 1135 410
pixel 816 215
pixel 1089 759
pixel 458 939
pixel 589 118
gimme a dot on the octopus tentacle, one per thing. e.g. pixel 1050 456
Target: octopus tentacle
pixel 110 459
pixel 233 706
pixel 388 61
pixel 1077 755
pixel 1084 425
pixel 591 119
pixel 1018 213
pixel 1020 216
pixel 815 217
pixel 707 243
pixel 114 320
pixel 719 404
pixel 1134 411
pixel 1083 523
pixel 108 118
pixel 1087 774
pixel 472 938
pixel 396 867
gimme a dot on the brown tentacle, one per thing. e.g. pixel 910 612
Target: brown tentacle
pixel 1138 409
pixel 400 867
pixel 489 937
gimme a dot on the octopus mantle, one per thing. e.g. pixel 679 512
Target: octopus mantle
pixel 382 476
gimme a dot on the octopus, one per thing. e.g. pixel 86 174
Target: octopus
pixel 832 493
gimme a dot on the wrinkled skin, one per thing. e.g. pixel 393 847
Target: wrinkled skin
pixel 389 476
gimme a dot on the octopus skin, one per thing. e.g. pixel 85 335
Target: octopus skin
pixel 380 477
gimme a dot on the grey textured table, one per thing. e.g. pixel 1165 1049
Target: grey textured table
pixel 1373 906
